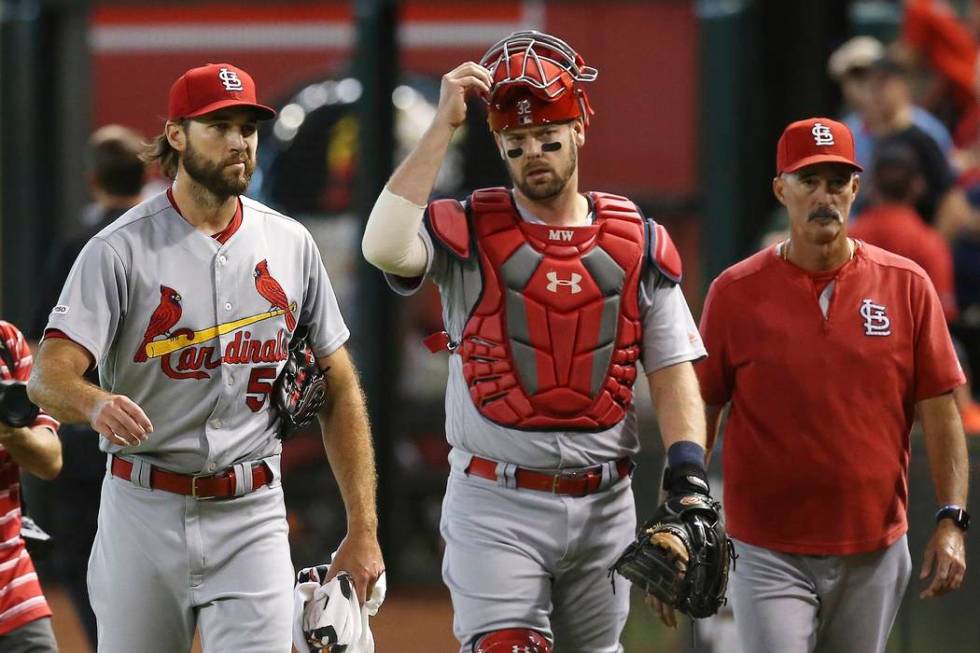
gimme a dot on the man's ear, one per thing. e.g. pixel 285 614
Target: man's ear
pixel 500 146
pixel 779 189
pixel 176 135
pixel 578 132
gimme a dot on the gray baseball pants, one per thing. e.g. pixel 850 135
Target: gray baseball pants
pixel 787 603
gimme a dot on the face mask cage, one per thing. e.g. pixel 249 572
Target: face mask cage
pixel 548 65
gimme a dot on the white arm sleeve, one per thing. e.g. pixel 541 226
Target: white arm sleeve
pixel 391 238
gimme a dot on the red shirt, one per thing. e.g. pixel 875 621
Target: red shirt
pixel 21 600
pixel 900 230
pixel 816 448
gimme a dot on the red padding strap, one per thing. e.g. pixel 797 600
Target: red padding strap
pixel 663 253
pixel 448 223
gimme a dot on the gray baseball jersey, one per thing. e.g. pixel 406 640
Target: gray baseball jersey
pixel 195 330
pixel 150 275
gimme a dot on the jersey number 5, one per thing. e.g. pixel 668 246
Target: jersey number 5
pixel 260 384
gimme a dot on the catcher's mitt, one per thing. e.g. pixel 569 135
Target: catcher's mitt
pixel 681 555
pixel 301 388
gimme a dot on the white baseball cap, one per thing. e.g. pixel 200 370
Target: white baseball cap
pixel 858 52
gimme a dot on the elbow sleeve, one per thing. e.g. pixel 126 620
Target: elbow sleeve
pixel 391 238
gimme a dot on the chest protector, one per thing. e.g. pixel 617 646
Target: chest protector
pixel 552 342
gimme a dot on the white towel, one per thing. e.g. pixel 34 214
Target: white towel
pixel 326 616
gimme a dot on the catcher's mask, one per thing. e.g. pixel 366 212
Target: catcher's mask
pixel 536 80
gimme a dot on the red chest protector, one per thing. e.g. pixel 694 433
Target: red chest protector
pixel 552 342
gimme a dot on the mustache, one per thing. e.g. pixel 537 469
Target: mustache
pixel 536 168
pixel 824 212
pixel 244 158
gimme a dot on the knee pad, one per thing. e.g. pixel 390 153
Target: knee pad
pixel 512 640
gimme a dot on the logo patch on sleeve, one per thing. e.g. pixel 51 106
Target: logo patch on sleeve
pixel 60 309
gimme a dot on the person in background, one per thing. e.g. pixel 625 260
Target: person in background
pixel 116 175
pixel 25 618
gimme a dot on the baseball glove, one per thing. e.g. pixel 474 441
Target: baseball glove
pixel 301 388
pixel 681 555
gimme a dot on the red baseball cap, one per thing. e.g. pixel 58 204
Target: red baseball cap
pixel 816 140
pixel 214 86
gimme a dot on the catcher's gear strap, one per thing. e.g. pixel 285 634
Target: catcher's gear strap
pixel 662 252
pixel 509 640
pixel 446 220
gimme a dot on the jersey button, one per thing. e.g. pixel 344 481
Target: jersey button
pixel 227 306
pixel 222 259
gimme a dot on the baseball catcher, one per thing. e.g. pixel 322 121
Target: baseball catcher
pixel 301 388
pixel 681 555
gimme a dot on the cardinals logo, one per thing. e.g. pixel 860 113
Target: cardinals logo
pixel 273 293
pixel 195 352
pixel 166 315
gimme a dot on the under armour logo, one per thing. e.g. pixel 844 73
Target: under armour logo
pixel 230 80
pixel 876 323
pixel 524 116
pixel 573 282
pixel 822 134
pixel 560 234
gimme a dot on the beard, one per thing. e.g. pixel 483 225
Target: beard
pixel 556 181
pixel 217 178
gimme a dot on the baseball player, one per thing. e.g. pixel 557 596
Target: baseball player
pixel 187 303
pixel 25 618
pixel 825 348
pixel 550 298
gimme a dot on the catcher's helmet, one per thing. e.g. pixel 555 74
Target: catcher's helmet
pixel 536 80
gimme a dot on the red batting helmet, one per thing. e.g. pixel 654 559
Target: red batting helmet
pixel 536 80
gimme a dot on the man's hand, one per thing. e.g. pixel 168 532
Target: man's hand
pixel 662 610
pixel 121 421
pixel 360 556
pixel 467 78
pixel 946 555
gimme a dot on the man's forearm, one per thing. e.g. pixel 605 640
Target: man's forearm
pixel 62 393
pixel 347 440
pixel 37 449
pixel 712 418
pixel 946 449
pixel 677 399
pixel 417 174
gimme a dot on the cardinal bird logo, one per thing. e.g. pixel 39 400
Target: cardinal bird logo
pixel 166 315
pixel 270 289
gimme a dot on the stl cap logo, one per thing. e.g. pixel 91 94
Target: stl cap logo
pixel 230 80
pixel 876 323
pixel 822 134
pixel 572 282
pixel 524 116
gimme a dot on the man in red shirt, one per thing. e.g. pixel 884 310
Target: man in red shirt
pixel 825 348
pixel 25 618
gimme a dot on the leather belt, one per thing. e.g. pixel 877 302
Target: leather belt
pixel 578 483
pixel 218 486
